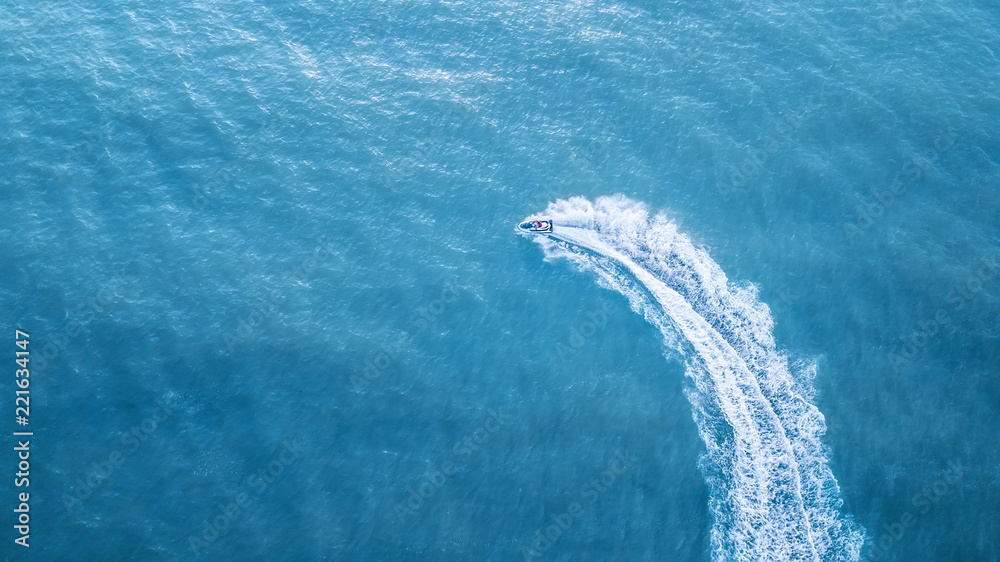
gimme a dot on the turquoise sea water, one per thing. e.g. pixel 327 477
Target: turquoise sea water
pixel 278 308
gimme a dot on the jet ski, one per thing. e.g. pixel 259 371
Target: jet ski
pixel 541 226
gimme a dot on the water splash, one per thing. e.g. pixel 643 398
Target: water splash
pixel 773 496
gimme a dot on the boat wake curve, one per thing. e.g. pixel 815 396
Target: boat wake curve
pixel 773 495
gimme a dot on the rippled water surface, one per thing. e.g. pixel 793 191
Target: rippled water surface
pixel 279 310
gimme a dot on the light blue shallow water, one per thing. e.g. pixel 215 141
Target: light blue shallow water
pixel 278 309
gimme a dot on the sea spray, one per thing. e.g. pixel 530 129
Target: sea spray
pixel 773 495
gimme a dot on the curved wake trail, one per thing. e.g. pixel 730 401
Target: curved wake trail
pixel 773 496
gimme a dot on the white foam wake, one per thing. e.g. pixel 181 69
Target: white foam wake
pixel 773 495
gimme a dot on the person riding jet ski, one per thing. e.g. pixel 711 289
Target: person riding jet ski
pixel 536 226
